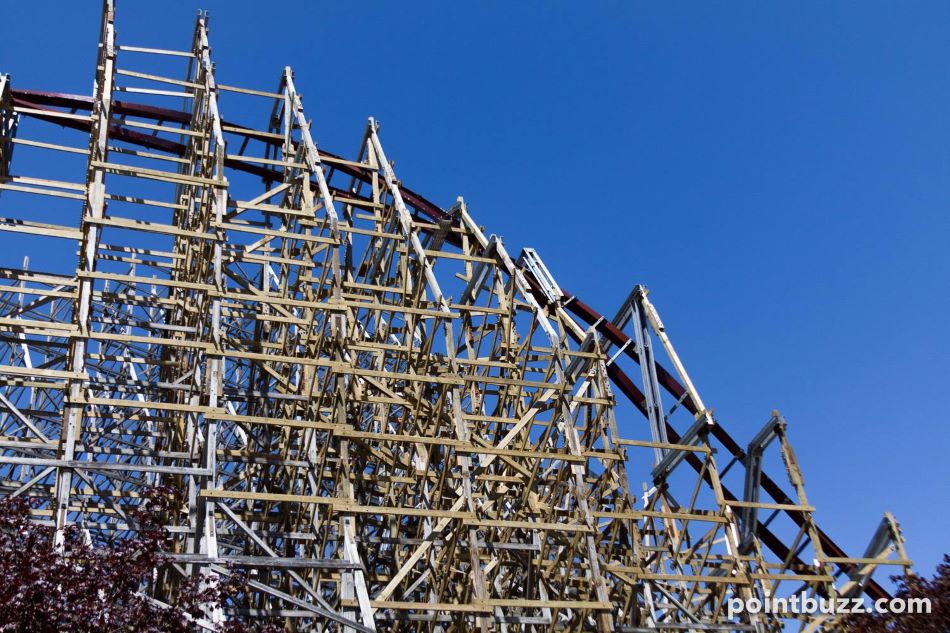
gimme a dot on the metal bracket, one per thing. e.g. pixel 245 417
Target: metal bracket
pixel 748 516
pixel 530 259
pixel 886 537
pixel 672 458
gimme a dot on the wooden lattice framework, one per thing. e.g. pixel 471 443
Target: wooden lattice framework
pixel 371 407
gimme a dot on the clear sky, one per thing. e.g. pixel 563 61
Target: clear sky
pixel 777 173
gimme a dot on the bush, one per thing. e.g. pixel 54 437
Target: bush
pixel 87 589
pixel 937 590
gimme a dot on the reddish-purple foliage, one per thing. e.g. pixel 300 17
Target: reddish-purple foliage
pixel 937 590
pixel 87 589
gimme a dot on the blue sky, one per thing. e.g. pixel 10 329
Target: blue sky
pixel 776 173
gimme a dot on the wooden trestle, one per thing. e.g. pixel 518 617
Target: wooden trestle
pixel 369 406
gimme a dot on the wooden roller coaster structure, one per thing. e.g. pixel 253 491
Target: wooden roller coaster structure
pixel 382 417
